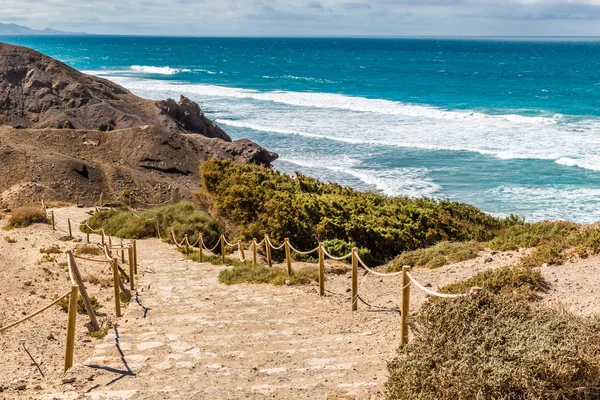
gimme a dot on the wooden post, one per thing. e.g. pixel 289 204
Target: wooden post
pixel 87 234
pixel 222 249
pixel 200 245
pixel 101 199
pixel 134 244
pixel 354 279
pixel 109 244
pixel 241 250
pixel 131 268
pixel 321 270
pixel 187 246
pixel 405 305
pixel 268 251
pixel 254 257
pixel 102 237
pixel 288 256
pixel 122 253
pixel 157 230
pixel 115 268
pixel 86 300
pixel 71 325
pixel 53 222
pixel 70 230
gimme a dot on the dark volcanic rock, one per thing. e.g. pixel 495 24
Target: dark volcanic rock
pixel 191 118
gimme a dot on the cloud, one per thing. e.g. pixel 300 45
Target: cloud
pixel 309 17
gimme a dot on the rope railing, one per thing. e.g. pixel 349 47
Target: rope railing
pixel 304 252
pixel 407 278
pixel 273 246
pixel 37 312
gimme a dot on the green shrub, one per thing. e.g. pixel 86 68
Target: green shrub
pixel 586 242
pixel 10 239
pixel 184 218
pixel 250 273
pixel 507 278
pixel 550 252
pixel 259 200
pixel 436 256
pixel 25 216
pixel 522 235
pixel 496 347
pixel 64 304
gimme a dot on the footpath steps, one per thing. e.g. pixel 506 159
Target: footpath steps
pixel 190 337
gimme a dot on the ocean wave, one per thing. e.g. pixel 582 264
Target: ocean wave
pixel 363 121
pixel 148 69
pixel 333 101
pixel 568 202
pixel 391 182
pixel 581 163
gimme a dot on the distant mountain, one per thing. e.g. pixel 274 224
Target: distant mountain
pixel 18 30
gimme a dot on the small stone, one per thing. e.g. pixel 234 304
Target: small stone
pixel 288 282
pixel 544 265
pixel 18 384
pixel 38 387
pixel 51 337
pixel 488 260
pixel 68 380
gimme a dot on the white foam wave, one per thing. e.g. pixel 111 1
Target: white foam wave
pixel 568 202
pixel 362 121
pixel 391 182
pixel 332 101
pixel 148 69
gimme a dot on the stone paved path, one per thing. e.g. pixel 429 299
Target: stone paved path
pixel 193 338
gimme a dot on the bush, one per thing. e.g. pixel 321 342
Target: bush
pixel 497 347
pixel 250 273
pixel 259 200
pixel 184 218
pixel 436 256
pixel 64 304
pixel 550 252
pixel 54 249
pixel 507 278
pixel 522 235
pixel 88 249
pixel 25 216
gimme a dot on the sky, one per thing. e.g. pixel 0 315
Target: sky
pixel 310 17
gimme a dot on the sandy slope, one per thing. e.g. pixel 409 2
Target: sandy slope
pixel 191 337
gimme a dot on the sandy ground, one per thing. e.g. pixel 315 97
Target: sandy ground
pixel 189 337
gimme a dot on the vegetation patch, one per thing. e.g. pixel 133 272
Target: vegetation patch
pixel 24 216
pixel 10 240
pixel 51 250
pixel 252 273
pixel 497 347
pixel 259 200
pixel 88 249
pixel 436 256
pixel 184 218
pixel 526 235
pixel 508 278
pixel 64 304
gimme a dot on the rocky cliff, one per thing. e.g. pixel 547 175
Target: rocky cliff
pixel 61 129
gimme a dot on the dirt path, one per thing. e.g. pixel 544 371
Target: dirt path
pixel 190 337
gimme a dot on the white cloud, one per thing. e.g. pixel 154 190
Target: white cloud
pixel 309 17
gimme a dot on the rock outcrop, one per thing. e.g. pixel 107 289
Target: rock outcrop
pixel 65 130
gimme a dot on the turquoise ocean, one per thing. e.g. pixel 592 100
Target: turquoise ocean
pixel 509 125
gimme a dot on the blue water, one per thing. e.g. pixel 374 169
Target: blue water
pixel 509 125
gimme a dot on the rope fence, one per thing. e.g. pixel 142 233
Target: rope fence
pixel 78 289
pixel 407 279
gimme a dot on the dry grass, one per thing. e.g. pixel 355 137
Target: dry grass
pixel 25 216
pixel 88 249
pixel 497 347
pixel 54 249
